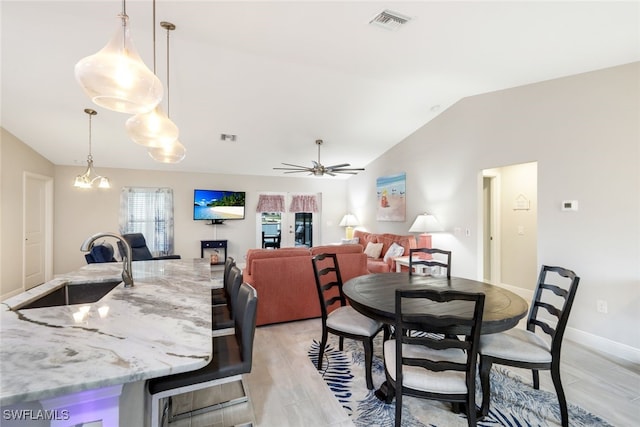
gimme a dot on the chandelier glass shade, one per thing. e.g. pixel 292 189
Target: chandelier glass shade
pixel 116 78
pixel 153 129
pixel 170 153
pixel 90 177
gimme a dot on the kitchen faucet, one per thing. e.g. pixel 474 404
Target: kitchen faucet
pixel 127 274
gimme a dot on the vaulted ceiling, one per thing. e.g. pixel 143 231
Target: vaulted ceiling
pixel 280 75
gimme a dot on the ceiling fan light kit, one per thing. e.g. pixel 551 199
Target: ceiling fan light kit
pixel 318 169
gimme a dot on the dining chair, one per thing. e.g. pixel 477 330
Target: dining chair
pixel 222 316
pixel 521 348
pixel 232 357
pixel 271 241
pixel 431 262
pixel 339 318
pixel 437 360
pixel 220 296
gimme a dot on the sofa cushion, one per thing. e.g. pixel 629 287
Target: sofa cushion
pixel 254 254
pixel 365 237
pixel 336 249
pixel 373 250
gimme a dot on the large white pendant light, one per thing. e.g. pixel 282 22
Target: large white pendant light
pixel 116 78
pixel 173 152
pixel 154 128
pixel 89 177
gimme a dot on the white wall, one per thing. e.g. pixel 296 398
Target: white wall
pixel 584 133
pixel 81 213
pixel 17 158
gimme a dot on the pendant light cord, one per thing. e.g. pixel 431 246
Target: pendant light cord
pixel 154 36
pixel 90 156
pixel 168 91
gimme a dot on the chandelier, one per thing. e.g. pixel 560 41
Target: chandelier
pixel 89 177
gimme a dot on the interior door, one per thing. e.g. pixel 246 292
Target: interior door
pixel 37 230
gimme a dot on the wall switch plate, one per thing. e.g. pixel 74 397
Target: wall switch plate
pixel 570 205
pixel 601 306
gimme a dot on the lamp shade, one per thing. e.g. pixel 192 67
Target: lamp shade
pixel 152 129
pixel 170 153
pixel 116 78
pixel 425 223
pixel 349 220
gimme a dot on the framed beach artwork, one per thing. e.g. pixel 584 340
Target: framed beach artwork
pixel 391 196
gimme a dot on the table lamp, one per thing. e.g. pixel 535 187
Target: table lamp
pixel 425 223
pixel 349 221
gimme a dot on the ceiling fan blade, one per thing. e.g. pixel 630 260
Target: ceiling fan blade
pixel 295 171
pixel 297 166
pixel 338 166
pixel 347 169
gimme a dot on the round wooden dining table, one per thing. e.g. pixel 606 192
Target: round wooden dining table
pixel 374 296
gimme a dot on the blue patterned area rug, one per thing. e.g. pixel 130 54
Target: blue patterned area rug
pixel 513 401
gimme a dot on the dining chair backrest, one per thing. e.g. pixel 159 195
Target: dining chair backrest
pixel 328 282
pixel 229 262
pixel 431 262
pixel 234 280
pixel 432 350
pixel 553 298
pixel 245 322
pixel 443 331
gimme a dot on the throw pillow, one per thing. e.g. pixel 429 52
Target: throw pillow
pixel 373 250
pixel 394 250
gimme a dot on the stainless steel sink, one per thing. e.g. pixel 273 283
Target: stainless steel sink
pixel 72 293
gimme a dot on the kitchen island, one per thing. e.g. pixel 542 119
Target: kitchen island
pixel 160 326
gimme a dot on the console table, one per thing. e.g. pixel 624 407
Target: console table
pixel 215 248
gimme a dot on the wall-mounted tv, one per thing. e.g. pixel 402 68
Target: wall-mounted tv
pixel 217 206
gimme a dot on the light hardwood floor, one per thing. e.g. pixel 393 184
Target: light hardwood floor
pixel 285 390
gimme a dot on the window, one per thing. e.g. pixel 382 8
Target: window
pixel 149 211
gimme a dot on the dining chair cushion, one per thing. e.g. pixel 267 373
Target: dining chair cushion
pixel 347 319
pixel 516 344
pixel 423 379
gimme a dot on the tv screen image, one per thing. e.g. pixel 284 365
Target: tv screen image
pixel 216 205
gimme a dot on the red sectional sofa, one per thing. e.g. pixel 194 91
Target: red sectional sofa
pixel 379 265
pixel 285 282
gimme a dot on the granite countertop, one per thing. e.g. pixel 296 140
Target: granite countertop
pixel 160 326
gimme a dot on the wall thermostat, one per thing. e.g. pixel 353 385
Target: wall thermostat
pixel 570 205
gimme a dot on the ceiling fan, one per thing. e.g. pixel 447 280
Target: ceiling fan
pixel 318 169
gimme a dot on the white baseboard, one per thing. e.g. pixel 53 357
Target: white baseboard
pixel 593 342
pixel 603 345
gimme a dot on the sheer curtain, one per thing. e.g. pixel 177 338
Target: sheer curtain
pixel 149 211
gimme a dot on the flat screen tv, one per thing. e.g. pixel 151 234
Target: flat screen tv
pixel 218 206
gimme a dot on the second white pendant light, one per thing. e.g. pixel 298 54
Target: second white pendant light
pixel 154 128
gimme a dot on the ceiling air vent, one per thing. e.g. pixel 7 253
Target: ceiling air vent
pixel 389 20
